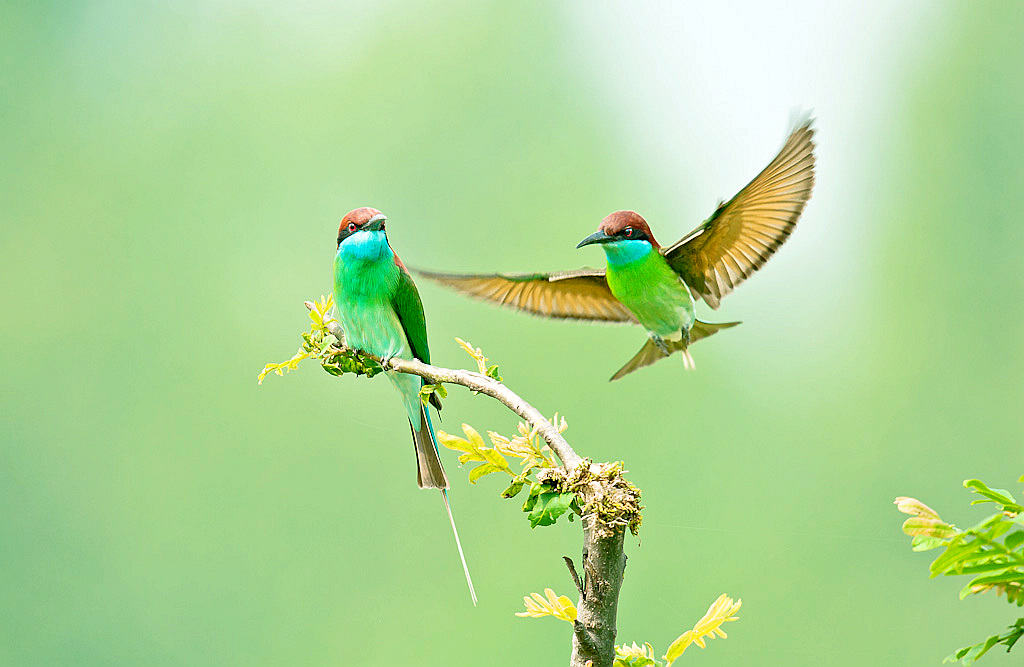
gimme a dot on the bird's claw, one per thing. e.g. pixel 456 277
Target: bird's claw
pixel 661 345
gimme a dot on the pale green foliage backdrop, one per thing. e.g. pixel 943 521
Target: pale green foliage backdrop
pixel 170 189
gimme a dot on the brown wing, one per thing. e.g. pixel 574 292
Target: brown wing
pixel 744 232
pixel 570 295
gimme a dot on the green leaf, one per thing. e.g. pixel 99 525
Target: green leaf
pixel 968 655
pixel 548 507
pixel 1014 540
pixel 492 372
pixel 428 389
pixel 1001 496
pixel 925 543
pixel 1001 578
pixel 513 489
pixel 987 567
pixel 531 498
pixel 953 555
pixel 985 525
pixel 635 656
pixel 1001 528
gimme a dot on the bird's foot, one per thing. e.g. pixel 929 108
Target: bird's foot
pixel 686 337
pixel 660 342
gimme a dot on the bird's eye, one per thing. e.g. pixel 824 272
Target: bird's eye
pixel 351 226
pixel 628 232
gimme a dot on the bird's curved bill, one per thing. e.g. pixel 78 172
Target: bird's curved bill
pixel 596 237
pixel 374 224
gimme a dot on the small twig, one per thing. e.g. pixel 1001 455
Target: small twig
pixel 481 384
pixel 575 577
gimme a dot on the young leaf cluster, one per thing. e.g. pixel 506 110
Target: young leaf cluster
pixel 490 371
pixel 320 344
pixel 556 606
pixel 547 498
pixel 991 552
pixel 709 626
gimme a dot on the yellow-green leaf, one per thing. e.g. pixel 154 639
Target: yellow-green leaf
pixel 453 442
pixel 494 457
pixel 919 525
pixel 288 365
pixel 557 606
pixel 721 611
pixel 481 470
pixel 915 507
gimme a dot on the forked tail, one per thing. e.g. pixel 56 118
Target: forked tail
pixel 651 352
pixel 458 543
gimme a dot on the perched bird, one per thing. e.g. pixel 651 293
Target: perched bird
pixel 656 287
pixel 381 313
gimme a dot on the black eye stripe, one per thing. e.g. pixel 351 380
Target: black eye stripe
pixel 633 234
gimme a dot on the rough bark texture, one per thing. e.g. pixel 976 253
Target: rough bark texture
pixel 593 640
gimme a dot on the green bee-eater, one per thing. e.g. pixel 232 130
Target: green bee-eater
pixel 655 287
pixel 381 313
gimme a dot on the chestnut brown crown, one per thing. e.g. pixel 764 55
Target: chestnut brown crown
pixel 617 224
pixel 355 219
pixel 358 216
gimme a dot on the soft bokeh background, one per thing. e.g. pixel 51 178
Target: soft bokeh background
pixel 172 179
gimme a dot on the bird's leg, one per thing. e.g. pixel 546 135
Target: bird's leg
pixel 660 342
pixel 686 336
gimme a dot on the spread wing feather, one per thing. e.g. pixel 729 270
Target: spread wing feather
pixel 745 231
pixel 570 295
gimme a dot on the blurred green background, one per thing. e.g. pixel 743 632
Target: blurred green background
pixel 172 179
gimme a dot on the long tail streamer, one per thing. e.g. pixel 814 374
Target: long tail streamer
pixel 458 543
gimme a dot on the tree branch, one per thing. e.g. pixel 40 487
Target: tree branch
pixel 481 384
pixel 575 577
pixel 609 505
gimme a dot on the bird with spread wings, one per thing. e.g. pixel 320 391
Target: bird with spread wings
pixel 655 286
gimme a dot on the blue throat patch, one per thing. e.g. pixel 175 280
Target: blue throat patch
pixel 626 252
pixel 365 246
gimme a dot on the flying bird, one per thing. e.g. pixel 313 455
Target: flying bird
pixel 654 286
pixel 380 311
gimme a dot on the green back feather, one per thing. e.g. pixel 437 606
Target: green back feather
pixel 409 308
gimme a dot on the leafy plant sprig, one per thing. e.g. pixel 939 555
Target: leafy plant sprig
pixel 481 361
pixel 320 344
pixel 549 495
pixel 708 627
pixel 991 552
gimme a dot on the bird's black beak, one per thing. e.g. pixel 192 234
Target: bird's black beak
pixel 374 224
pixel 596 237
